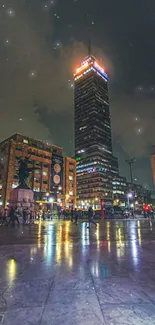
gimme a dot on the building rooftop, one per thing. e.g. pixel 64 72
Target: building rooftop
pixel 20 138
pixel 90 63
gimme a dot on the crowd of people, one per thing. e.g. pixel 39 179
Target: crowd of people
pixel 14 215
pixel 90 214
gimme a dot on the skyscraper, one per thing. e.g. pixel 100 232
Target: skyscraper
pixel 96 164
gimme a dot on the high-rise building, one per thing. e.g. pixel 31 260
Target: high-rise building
pixel 47 180
pixel 96 165
pixel 119 188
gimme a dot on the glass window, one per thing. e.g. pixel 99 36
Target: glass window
pixel 36 189
pixel 19 148
pixel 14 185
pixel 25 141
pixel 37 180
pixel 38 163
pixel 45 173
pixel 40 145
pixel 37 171
pixel 70 177
pixel 45 165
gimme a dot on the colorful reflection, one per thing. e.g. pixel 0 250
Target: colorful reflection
pixel 39 234
pixel 134 244
pixel 11 270
pixel 120 249
pixel 85 238
pixel 108 225
pixel 139 233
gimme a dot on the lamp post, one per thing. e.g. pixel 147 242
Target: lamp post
pixel 51 200
pixel 129 197
pixel 130 162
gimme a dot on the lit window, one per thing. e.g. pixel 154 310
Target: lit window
pixel 0 186
pixel 70 178
pixel 71 193
pixel 36 189
pixel 14 185
pixel 25 141
pixel 45 173
pixel 37 171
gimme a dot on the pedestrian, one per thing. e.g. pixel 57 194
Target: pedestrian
pixel 76 215
pixel 4 217
pixel 24 216
pixel 16 215
pixel 12 216
pixel 27 216
pixel 91 216
pixel 31 216
pixel 72 214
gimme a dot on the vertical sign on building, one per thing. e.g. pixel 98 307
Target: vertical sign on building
pixel 56 174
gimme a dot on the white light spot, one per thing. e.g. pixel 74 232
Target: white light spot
pixel 32 74
pixel 10 12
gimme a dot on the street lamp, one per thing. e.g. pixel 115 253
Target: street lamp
pixel 51 200
pixel 130 162
pixel 129 197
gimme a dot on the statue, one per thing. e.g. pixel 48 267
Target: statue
pixel 22 196
pixel 24 171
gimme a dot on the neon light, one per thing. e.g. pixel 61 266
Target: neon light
pixel 88 65
pixel 98 67
pixel 82 67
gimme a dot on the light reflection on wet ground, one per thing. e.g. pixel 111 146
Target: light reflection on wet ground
pixel 59 273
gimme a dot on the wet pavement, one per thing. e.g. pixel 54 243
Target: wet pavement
pixel 57 273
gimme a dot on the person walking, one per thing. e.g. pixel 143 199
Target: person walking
pixel 4 217
pixel 76 216
pixel 90 217
pixel 16 215
pixel 24 216
pixel 12 216
pixel 72 214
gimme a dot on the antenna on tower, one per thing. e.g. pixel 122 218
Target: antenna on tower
pixel 89 42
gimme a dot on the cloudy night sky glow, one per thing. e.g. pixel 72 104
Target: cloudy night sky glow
pixel 41 45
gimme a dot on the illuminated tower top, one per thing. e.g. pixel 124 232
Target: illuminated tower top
pixel 90 64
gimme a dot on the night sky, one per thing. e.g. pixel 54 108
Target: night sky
pixel 42 43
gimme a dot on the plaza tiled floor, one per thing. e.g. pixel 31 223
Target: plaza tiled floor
pixel 57 273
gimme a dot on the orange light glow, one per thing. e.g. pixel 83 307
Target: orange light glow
pixel 88 65
pixel 78 70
